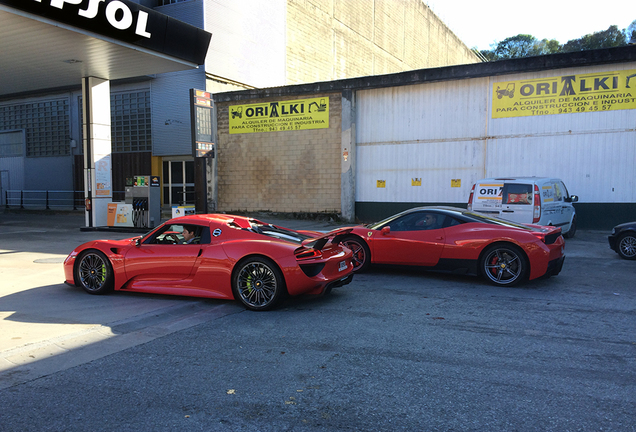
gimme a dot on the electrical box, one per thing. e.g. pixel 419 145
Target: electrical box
pixel 144 194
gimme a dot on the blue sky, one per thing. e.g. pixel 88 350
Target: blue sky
pixel 481 23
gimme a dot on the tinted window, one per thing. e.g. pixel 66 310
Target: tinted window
pixel 417 221
pixel 514 193
pixel 173 234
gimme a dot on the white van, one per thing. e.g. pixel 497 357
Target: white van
pixel 533 200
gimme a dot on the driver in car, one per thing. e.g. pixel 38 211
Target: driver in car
pixel 188 234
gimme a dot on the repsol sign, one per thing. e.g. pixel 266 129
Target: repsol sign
pixel 120 16
pixel 117 13
pixel 124 21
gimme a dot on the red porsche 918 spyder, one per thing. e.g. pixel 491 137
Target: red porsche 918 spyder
pixel 217 256
pixel 454 239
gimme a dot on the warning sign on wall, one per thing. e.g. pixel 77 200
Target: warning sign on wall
pixel 280 116
pixel 566 94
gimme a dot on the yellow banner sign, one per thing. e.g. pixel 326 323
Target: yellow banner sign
pixel 567 94
pixel 280 116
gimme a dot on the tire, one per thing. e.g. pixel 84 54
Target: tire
pixel 361 253
pixel 504 264
pixel 627 246
pixel 572 231
pixel 94 273
pixel 258 284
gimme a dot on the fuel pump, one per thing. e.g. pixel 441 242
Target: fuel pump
pixel 143 193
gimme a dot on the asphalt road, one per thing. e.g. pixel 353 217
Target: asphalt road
pixel 395 350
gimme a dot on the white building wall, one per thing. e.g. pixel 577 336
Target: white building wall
pixel 443 134
pixel 594 153
pixel 433 132
pixel 248 41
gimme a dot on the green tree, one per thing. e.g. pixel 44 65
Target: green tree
pixel 488 55
pixel 515 46
pixel 630 32
pixel 524 45
pixel 612 37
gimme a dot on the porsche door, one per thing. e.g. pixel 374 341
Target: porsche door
pixel 164 256
pixel 161 261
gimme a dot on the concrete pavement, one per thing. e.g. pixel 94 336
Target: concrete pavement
pixel 47 326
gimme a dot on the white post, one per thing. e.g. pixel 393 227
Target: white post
pixel 97 148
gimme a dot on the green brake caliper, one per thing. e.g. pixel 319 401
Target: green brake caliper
pixel 249 283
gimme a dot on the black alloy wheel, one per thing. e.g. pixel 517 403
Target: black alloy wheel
pixel 94 273
pixel 627 246
pixel 361 253
pixel 503 264
pixel 258 284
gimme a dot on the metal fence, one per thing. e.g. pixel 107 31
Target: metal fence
pixel 61 199
pixel 48 199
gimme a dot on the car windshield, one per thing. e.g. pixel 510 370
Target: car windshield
pixel 145 236
pixel 278 232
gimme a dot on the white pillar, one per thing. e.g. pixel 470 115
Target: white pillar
pixel 97 149
pixel 348 157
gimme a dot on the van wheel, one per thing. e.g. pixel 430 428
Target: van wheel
pixel 504 264
pixel 572 229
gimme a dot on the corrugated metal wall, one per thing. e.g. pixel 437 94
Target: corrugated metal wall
pixel 443 134
pixel 171 130
pixel 431 132
pixel 14 172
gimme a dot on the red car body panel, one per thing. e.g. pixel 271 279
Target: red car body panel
pixel 205 270
pixel 459 243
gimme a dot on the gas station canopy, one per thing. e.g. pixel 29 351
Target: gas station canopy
pixel 48 44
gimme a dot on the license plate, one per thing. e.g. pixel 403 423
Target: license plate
pixel 342 266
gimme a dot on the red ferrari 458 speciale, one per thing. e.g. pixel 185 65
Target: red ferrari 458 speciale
pixel 217 256
pixel 454 239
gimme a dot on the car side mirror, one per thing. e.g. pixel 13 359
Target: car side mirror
pixel 574 198
pixel 386 230
pixel 138 241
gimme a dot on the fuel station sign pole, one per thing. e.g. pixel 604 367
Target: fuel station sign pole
pixel 203 149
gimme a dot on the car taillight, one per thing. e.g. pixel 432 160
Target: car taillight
pixel 540 236
pixel 536 215
pixel 470 199
pixel 308 254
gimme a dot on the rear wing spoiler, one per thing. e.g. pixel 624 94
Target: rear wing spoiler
pixel 335 236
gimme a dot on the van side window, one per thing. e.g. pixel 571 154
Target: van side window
pixel 514 193
pixel 558 191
